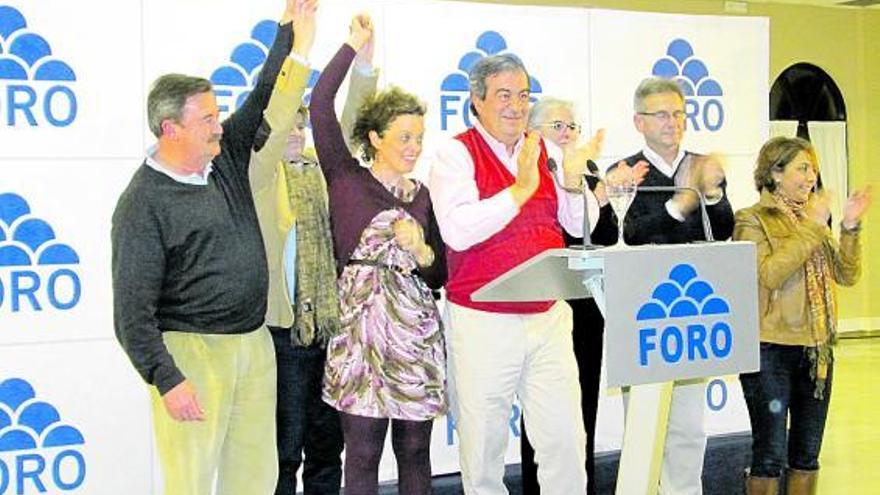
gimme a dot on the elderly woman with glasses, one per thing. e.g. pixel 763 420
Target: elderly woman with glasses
pixel 554 120
pixel 799 265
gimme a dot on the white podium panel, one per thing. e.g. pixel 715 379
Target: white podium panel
pixel 680 311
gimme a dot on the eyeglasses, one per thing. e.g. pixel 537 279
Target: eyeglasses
pixel 664 116
pixel 560 126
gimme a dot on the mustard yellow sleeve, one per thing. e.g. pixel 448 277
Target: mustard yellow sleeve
pixel 278 119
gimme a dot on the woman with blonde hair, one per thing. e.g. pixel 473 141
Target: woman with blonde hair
pixel 799 265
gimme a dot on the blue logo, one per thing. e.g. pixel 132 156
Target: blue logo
pixel 36 86
pixel 687 318
pixel 512 423
pixel 37 449
pixel 702 93
pixel 455 88
pixel 234 82
pixel 35 269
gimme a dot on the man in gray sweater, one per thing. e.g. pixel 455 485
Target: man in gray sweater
pixel 190 281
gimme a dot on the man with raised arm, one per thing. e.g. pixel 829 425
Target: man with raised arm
pixel 190 281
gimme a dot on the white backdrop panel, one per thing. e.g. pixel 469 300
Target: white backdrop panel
pixel 79 91
pixel 70 176
pixel 94 390
pixel 431 59
pixel 55 274
pixel 729 51
pixel 220 35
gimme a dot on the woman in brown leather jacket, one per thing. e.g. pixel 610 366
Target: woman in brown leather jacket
pixel 799 263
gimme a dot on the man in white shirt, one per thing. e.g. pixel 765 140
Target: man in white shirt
pixel 500 199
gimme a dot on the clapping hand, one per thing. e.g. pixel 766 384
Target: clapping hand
pixel 856 206
pixel 707 175
pixel 622 174
pixel 818 207
pixel 527 176
pixel 574 163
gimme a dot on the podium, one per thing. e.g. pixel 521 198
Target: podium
pixel 672 312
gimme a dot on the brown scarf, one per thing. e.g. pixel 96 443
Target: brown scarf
pixel 820 297
pixel 316 305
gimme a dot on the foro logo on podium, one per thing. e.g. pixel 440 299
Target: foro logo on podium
pixel 36 271
pixel 233 82
pixel 702 93
pixel 683 321
pixel 455 88
pixel 35 87
pixel 38 452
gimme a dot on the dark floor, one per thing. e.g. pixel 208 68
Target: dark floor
pixel 726 458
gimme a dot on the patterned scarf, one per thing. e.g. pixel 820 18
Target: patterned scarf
pixel 316 306
pixel 820 297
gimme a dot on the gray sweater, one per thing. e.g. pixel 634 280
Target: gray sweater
pixel 190 258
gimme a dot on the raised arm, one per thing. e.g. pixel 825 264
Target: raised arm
pixel 240 129
pixel 280 114
pixel 330 143
pixel 362 85
pixel 847 254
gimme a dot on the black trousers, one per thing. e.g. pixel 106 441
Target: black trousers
pixel 309 431
pixel 587 335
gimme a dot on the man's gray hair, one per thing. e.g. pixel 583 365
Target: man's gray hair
pixel 546 105
pixel 488 67
pixel 653 86
pixel 168 96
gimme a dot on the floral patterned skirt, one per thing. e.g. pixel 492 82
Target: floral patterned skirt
pixel 389 359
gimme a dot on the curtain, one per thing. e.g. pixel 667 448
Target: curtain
pixel 787 128
pixel 829 139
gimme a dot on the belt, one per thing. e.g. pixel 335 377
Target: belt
pixel 379 264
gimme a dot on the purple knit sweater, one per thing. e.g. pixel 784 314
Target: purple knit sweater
pixel 355 195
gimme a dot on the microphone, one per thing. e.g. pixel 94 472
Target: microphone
pixel 585 186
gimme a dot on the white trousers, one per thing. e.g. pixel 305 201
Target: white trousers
pixel 682 468
pixel 491 357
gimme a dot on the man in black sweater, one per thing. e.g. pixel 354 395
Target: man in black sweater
pixel 190 283
pixel 673 218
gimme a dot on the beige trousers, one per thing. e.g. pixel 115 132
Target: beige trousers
pixel 234 447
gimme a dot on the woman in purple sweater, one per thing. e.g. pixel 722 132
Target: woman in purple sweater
pixel 388 361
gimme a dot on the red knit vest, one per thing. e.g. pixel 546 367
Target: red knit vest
pixel 533 230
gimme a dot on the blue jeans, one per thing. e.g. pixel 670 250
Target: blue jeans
pixel 306 424
pixel 784 388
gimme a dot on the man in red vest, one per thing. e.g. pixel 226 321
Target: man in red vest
pixel 498 204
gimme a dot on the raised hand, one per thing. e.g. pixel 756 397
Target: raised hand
pixel 623 173
pixel 360 31
pixel 707 174
pixel 856 206
pixel 364 56
pixel 574 163
pixel 182 403
pixel 289 11
pixel 304 26
pixel 818 207
pixel 527 176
